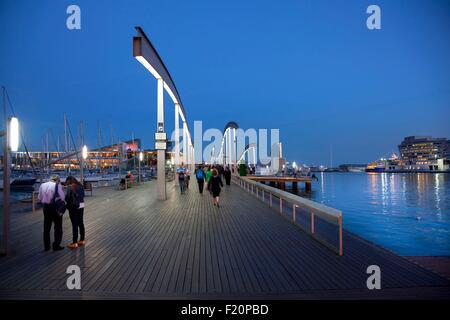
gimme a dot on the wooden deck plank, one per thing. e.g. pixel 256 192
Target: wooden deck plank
pixel 184 247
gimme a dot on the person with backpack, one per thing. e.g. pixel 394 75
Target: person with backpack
pixel 75 205
pixel 181 171
pixel 51 195
pixel 200 174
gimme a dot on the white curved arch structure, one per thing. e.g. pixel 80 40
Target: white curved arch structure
pixel 251 146
pixel 146 54
pixel 276 155
pixel 229 157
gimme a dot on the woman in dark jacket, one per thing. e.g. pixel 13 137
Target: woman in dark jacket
pixel 227 175
pixel 75 205
pixel 215 184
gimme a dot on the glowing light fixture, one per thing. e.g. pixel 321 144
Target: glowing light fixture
pixel 141 156
pixel 14 134
pixel 84 152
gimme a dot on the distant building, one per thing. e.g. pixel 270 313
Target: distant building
pixel 101 158
pixel 417 154
pixel 417 150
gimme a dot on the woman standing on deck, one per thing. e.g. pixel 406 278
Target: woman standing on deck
pixel 75 204
pixel 215 184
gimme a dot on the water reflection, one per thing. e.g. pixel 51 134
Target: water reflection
pixel 407 213
pixel 436 192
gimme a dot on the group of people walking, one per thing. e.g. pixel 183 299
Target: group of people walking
pixel 56 202
pixel 209 175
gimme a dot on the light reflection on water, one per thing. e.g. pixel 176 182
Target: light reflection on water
pixel 406 213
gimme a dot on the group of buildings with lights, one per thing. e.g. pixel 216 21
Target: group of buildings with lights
pixel 416 154
pixel 106 158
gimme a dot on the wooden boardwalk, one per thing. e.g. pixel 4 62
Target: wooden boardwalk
pixel 141 248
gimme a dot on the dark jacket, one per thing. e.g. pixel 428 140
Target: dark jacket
pixel 215 184
pixel 74 196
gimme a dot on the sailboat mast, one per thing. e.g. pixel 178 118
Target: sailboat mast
pixel 99 135
pixel 81 132
pixel 47 152
pixel 331 155
pixel 82 136
pixel 57 145
pixel 66 142
pixel 65 134
pixel 134 156
pixel 99 141
pixel 111 142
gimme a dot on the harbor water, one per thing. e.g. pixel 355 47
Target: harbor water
pixel 405 213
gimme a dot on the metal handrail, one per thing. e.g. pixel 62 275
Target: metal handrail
pixel 262 191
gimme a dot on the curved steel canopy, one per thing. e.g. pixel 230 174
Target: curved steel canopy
pixel 231 124
pixel 145 52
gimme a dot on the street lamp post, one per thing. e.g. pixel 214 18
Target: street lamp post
pixel 84 155
pixel 141 158
pixel 11 143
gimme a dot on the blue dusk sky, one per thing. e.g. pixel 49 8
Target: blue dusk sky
pixel 308 67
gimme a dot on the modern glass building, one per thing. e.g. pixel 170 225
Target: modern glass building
pixel 423 150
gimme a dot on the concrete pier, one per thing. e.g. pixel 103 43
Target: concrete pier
pixel 280 181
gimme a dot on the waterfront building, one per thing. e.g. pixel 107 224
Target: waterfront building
pixel 104 158
pixel 424 150
pixel 123 155
pixel 417 154
pixel 101 158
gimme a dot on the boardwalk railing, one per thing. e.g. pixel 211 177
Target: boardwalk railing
pixel 318 220
pixel 34 200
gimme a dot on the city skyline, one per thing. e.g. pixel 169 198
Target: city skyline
pixel 268 66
